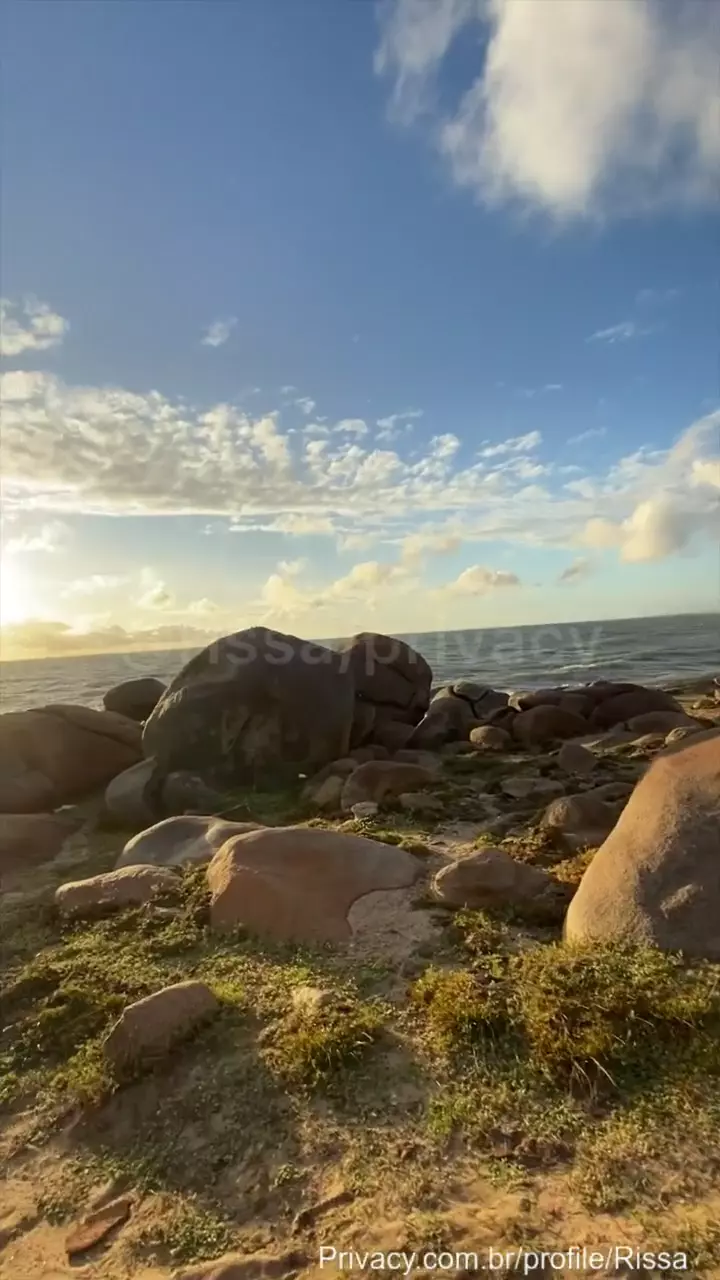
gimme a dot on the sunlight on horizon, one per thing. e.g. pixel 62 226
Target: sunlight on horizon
pixel 16 601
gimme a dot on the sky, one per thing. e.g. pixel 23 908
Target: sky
pixel 334 316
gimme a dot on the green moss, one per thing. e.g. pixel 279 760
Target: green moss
pixel 309 1048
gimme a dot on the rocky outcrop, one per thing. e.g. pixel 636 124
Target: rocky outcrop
pixel 141 795
pixel 492 878
pixel 147 1029
pixel 380 778
pixel 113 890
pixel 662 722
pixel 298 883
pixel 455 710
pixel 136 699
pixel 573 757
pixel 254 705
pixel 176 842
pixel 59 753
pixel 656 879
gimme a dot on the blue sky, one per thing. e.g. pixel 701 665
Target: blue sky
pixel 336 316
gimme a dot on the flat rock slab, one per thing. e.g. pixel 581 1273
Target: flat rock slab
pixel 94 1227
pixel 298 883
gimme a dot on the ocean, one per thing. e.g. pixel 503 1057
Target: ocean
pixel 647 650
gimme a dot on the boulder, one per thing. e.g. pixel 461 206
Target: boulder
pixel 581 821
pixel 136 699
pixel 148 1028
pixel 492 878
pixel 656 879
pixel 380 778
pixel 29 839
pixel 677 735
pixel 620 707
pixel 489 738
pixel 174 842
pixel 392 734
pixel 448 719
pixel 59 753
pixel 484 700
pixel 298 883
pixel 580 704
pixel 388 674
pixel 426 759
pixel 418 802
pixel 364 809
pixel 131 799
pixel 662 722
pixel 371 751
pixel 254 705
pixel 575 758
pixel 527 700
pixel 547 722
pixel 129 886
pixel 327 794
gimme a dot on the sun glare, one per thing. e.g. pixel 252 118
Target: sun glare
pixel 14 593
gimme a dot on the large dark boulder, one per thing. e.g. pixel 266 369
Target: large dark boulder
pixel 136 699
pixel 255 706
pixel 392 687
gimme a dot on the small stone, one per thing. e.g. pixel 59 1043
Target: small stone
pixel 149 1027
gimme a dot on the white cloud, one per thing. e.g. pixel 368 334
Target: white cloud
pixel 29 326
pixel 291 568
pixel 416 546
pixel 579 568
pixel 515 444
pixel 217 334
pixel 203 608
pixel 306 405
pixel 592 433
pixel 351 427
pixel 577 108
pixel 154 592
pixel 95 583
pixel 391 426
pixel 49 538
pixel 477 581
pixel 621 332
pixel 529 393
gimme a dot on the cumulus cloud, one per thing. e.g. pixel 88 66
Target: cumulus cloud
pixel 306 405
pixel 217 334
pixel 49 538
pixel 577 109
pixel 42 638
pixel 154 592
pixel 579 568
pixel 29 326
pixel 477 581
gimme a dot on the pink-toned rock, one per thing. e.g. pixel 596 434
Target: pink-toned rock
pixel 113 890
pixel 492 878
pixel 488 737
pixel 148 1028
pixel 380 778
pixel 192 838
pixel 59 753
pixel 626 706
pixel 29 839
pixel 298 883
pixel 656 878
pixel 543 724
